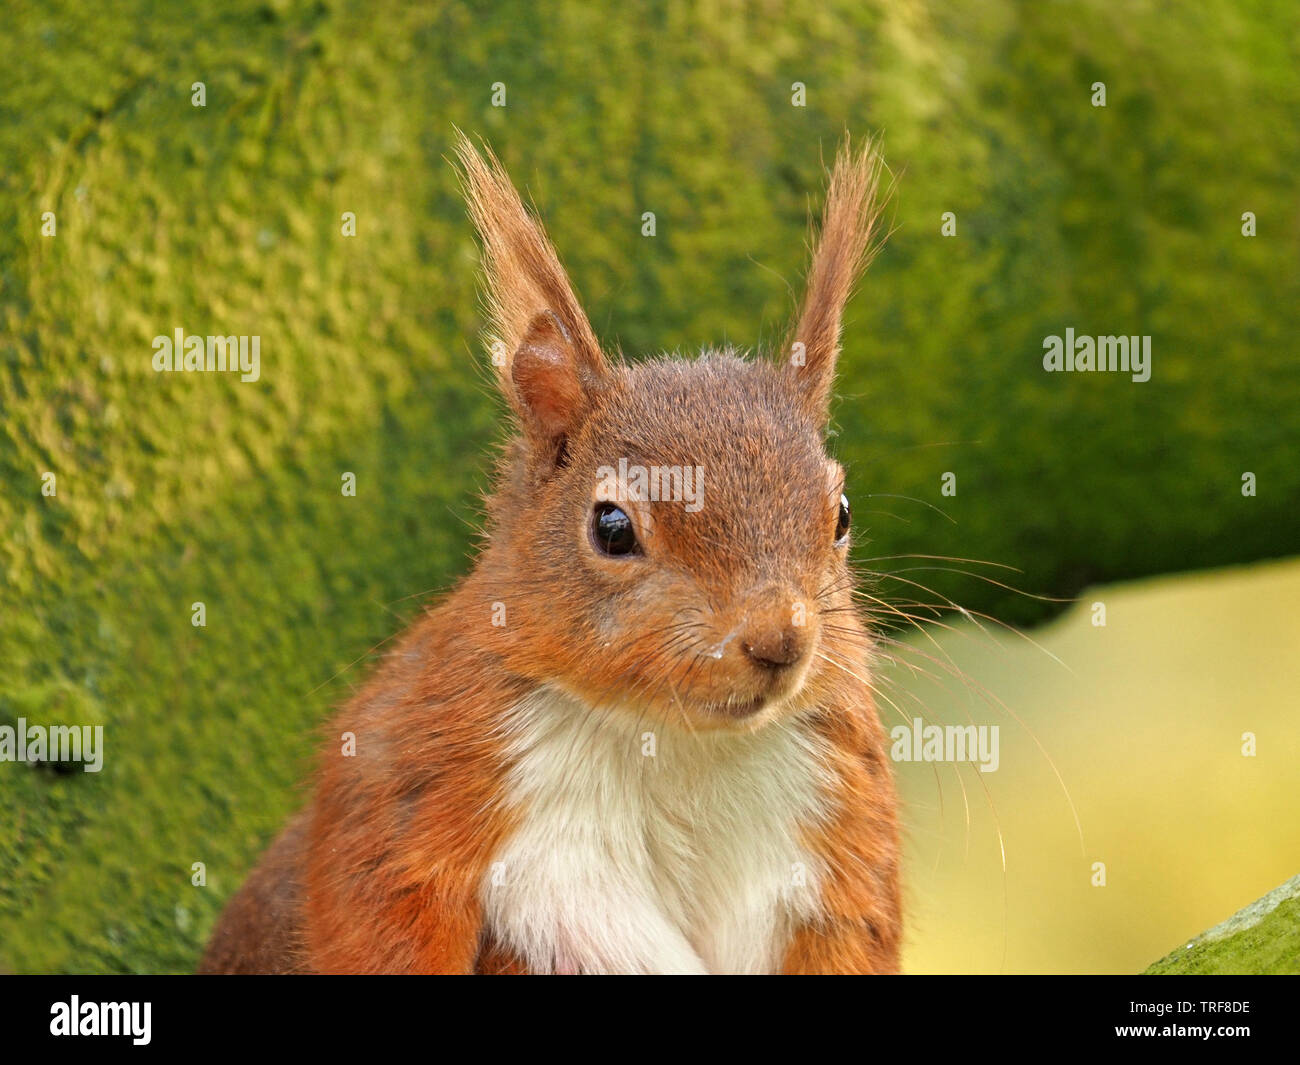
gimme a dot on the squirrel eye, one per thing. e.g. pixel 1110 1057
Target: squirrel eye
pixel 842 522
pixel 612 532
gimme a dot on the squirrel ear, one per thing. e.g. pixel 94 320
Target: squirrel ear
pixel 547 385
pixel 533 311
pixel 841 253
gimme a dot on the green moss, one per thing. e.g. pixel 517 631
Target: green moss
pixel 1263 939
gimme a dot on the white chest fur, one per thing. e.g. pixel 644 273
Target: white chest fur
pixel 642 849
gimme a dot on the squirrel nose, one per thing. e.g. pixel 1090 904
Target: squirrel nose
pixel 774 649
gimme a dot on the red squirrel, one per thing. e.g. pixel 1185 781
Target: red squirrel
pixel 640 736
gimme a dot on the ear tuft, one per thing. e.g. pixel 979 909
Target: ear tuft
pixel 846 244
pixel 524 275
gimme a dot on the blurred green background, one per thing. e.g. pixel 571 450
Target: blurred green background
pixel 226 219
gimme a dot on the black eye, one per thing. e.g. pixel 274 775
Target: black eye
pixel 842 522
pixel 612 532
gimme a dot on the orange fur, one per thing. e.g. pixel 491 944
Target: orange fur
pixel 862 929
pixel 384 870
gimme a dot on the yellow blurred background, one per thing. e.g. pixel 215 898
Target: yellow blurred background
pixel 1145 718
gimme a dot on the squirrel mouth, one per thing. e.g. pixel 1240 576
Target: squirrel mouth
pixel 737 709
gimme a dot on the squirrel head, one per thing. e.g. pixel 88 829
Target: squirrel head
pixel 669 536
